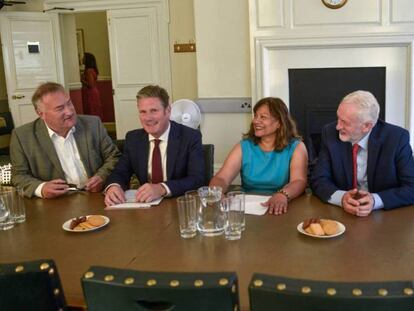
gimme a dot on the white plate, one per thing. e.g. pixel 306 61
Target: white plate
pixel 66 225
pixel 341 231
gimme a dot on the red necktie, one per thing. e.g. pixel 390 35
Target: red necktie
pixel 156 174
pixel 355 148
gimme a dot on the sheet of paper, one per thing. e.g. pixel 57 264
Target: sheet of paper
pixel 130 204
pixel 253 206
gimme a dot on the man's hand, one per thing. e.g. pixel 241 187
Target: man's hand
pixel 94 184
pixel 366 203
pixel 54 188
pixel 359 203
pixel 277 204
pixel 149 192
pixel 114 195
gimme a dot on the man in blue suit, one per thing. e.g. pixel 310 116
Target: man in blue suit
pixel 176 148
pixel 384 160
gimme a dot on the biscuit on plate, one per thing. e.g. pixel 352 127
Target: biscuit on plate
pixel 316 229
pixel 96 220
pixel 329 226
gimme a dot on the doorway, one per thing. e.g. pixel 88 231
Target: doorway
pixel 92 37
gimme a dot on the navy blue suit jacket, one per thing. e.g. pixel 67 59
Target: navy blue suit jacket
pixel 185 159
pixel 390 167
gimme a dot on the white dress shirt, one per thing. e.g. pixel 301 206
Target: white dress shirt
pixel 163 150
pixel 362 177
pixel 69 158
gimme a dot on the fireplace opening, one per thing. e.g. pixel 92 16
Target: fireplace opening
pixel 314 96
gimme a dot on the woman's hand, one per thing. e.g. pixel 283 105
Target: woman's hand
pixel 277 204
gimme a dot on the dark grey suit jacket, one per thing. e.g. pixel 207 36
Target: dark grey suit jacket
pixel 34 158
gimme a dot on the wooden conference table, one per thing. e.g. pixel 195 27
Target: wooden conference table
pixel 378 247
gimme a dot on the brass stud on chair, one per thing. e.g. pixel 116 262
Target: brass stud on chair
pixel 233 288
pixel 356 292
pixel 408 291
pixel 129 281
pixel 89 275
pixel 51 271
pixel 331 291
pixel 258 283
pixel 174 283
pixel 236 308
pixel 198 283
pixel 281 286
pixel 109 278
pixel 151 282
pixel 44 266
pixel 56 291
pixel 19 269
pixel 306 290
pixel 223 282
pixel 382 292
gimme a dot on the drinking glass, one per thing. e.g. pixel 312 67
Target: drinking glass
pixel 187 216
pixel 241 195
pixel 210 218
pixel 6 220
pixel 233 217
pixel 17 208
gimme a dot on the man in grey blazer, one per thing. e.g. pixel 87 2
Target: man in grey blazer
pixel 60 148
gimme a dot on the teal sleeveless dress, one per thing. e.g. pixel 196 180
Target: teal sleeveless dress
pixel 265 172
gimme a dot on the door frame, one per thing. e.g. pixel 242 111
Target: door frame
pixel 162 7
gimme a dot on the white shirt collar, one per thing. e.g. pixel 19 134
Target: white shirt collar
pixel 363 142
pixel 52 133
pixel 163 137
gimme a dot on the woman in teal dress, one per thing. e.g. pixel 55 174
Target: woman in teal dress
pixel 271 158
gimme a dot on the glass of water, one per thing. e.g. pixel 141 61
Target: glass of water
pixel 232 207
pixel 6 219
pixel 241 195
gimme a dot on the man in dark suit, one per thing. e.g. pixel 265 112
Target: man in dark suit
pixel 383 173
pixel 60 148
pixel 167 157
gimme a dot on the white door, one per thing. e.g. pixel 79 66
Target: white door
pixel 32 55
pixel 139 48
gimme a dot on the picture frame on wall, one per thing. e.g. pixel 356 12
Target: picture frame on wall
pixel 80 40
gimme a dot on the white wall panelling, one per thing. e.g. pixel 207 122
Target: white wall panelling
pixel 269 13
pixel 402 11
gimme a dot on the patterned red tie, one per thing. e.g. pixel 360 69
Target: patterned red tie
pixel 355 148
pixel 156 175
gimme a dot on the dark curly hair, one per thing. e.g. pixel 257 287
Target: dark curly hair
pixel 287 130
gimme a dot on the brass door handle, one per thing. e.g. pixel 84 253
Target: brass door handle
pixel 18 96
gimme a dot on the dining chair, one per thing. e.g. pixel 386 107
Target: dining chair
pixel 33 285
pixel 269 292
pixel 120 289
pixel 208 150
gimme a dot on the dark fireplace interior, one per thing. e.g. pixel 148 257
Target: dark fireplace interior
pixel 314 95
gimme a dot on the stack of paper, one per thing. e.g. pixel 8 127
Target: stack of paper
pixel 253 204
pixel 131 204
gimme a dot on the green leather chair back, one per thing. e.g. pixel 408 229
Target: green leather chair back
pixel 279 293
pixel 31 285
pixel 121 290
